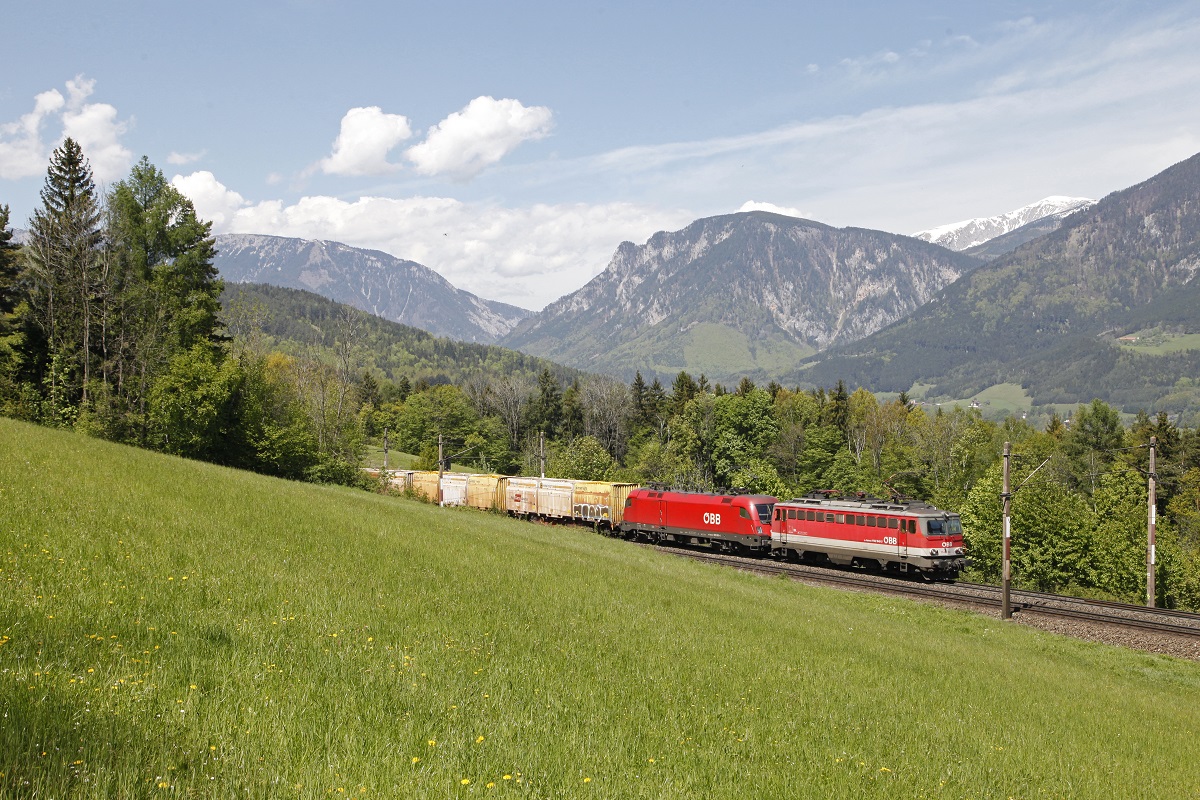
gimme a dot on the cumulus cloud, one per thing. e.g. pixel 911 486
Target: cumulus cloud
pixel 22 153
pixel 525 256
pixel 754 205
pixel 466 142
pixel 367 136
pixel 213 200
pixel 93 125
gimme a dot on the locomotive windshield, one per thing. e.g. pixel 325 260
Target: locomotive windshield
pixel 764 513
pixel 945 527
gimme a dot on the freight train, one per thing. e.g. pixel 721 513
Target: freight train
pixel 871 533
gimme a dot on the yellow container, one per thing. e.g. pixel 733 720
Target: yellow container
pixel 601 501
pixel 485 491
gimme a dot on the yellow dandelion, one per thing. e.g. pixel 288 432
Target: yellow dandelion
pixel 465 781
pixel 491 785
pixel 508 777
pixel 587 780
pixel 479 740
pixel 163 784
pixel 416 759
pixel 884 769
pixel 432 742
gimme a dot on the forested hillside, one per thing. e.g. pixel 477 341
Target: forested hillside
pixel 295 321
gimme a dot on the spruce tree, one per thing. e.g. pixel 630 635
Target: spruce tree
pixel 64 265
pixel 9 271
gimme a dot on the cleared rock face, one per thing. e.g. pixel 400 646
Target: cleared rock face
pixel 389 287
pixel 781 288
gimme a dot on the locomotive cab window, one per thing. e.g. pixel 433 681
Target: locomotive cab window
pixel 935 527
pixel 744 513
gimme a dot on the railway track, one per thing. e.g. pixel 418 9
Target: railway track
pixel 1023 603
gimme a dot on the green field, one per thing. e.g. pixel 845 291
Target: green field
pixel 1157 343
pixel 173 629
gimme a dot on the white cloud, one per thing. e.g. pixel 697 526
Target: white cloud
pixel 754 205
pixel 524 256
pixel 94 126
pixel 179 159
pixel 213 200
pixel 466 142
pixel 367 136
pixel 22 153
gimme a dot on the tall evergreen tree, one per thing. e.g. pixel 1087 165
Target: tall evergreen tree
pixel 163 292
pixel 546 411
pixel 64 267
pixel 9 298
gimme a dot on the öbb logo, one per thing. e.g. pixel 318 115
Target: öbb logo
pixel 712 519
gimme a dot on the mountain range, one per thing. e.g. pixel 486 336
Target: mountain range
pixel 372 281
pixel 750 293
pixel 1058 314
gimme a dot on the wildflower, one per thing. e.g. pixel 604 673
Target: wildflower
pixel 491 785
pixel 479 740
pixel 465 781
pixel 432 742
pixel 508 777
pixel 587 780
pixel 884 769
pixel 416 759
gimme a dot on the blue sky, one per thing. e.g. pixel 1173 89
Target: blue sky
pixel 513 146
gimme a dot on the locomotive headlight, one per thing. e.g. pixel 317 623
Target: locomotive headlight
pixel 933 552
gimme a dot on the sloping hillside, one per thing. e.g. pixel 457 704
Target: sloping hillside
pixel 174 629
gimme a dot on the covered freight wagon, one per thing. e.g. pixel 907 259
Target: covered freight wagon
pixel 601 502
pixel 485 492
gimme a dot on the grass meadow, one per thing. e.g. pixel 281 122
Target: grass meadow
pixel 173 629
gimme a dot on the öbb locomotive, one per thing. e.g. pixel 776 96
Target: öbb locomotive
pixel 860 531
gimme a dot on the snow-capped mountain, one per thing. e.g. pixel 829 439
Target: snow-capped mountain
pixel 972 232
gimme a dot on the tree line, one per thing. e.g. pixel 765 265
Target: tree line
pixel 111 324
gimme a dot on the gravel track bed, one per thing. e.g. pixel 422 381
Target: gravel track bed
pixel 982 599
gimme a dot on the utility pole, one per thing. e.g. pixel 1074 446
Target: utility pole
pixel 1151 503
pixel 542 450
pixel 441 470
pixel 1006 496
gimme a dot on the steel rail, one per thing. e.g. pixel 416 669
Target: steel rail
pixel 1025 602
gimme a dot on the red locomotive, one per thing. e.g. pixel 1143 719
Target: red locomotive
pixel 738 523
pixel 870 532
